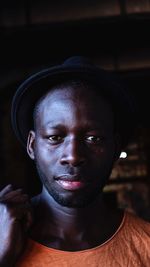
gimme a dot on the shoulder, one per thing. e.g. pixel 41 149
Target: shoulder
pixel 136 229
pixel 131 244
pixel 135 222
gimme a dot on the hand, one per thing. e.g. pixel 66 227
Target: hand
pixel 15 221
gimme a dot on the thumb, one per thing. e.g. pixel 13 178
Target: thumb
pixel 28 217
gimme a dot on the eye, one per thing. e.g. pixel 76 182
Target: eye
pixel 55 139
pixel 94 139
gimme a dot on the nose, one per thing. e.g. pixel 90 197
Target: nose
pixel 73 153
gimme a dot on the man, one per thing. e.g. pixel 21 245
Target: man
pixel 74 119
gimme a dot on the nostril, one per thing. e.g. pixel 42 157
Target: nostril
pixel 74 161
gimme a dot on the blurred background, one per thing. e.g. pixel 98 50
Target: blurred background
pixel 115 34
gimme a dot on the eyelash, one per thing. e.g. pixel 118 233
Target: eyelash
pixel 97 139
pixel 59 138
pixel 56 139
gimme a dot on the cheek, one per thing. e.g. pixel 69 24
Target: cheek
pixel 103 156
pixel 44 154
pixel 103 152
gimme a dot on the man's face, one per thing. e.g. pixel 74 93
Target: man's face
pixel 73 145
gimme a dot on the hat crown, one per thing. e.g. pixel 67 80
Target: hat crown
pixel 77 60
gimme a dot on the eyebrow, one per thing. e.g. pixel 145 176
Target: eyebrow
pixel 51 124
pixel 87 126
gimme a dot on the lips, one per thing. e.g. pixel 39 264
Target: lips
pixel 70 182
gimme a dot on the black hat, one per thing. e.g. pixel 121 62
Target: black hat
pixel 38 84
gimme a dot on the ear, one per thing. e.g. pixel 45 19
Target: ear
pixel 117 146
pixel 30 144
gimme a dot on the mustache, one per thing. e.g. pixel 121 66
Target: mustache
pixel 72 174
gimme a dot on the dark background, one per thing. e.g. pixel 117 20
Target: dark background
pixel 116 36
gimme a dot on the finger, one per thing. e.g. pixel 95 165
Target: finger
pixel 10 195
pixel 15 199
pixel 23 214
pixel 6 190
pixel 17 210
pixel 28 220
pixel 13 193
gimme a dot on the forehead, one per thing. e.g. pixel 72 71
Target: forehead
pixel 71 103
pixel 76 93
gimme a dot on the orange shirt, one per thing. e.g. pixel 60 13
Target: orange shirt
pixel 128 247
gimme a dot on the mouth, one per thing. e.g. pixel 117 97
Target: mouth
pixel 70 182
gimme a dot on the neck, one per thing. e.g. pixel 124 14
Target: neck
pixel 62 215
pixel 72 224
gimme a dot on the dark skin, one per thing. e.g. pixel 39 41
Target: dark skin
pixel 74 146
pixel 16 219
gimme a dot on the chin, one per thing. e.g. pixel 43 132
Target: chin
pixel 77 200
